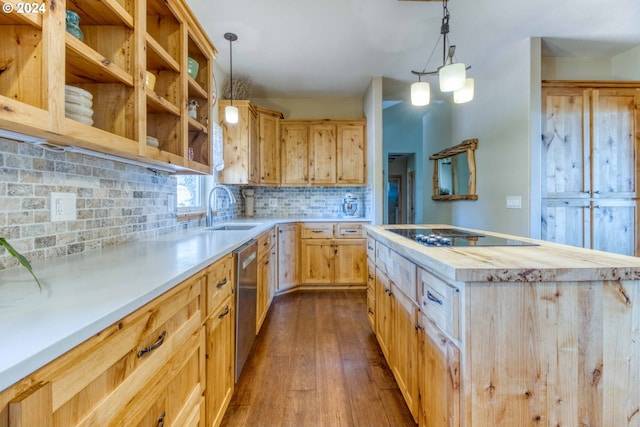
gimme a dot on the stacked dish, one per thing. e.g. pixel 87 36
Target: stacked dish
pixel 78 104
pixel 152 141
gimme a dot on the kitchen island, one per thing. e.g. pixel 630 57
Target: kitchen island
pixel 519 335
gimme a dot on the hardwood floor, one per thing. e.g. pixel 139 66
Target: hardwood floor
pixel 316 362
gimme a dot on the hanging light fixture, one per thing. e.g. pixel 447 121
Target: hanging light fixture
pixel 452 75
pixel 231 112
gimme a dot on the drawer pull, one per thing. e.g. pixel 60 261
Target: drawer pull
pixel 266 262
pixel 221 284
pixel 265 243
pixel 224 313
pixel 317 231
pixel 370 277
pixel 161 419
pixel 153 346
pixel 433 298
pixel 370 311
pixel 370 248
pixel 350 231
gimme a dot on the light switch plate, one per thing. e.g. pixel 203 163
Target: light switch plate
pixel 63 207
pixel 514 202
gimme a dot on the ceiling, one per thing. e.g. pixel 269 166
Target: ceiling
pixel 332 48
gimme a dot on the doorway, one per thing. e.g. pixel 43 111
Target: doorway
pixel 394 198
pixel 400 198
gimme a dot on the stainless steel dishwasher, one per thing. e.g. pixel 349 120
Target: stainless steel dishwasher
pixel 246 263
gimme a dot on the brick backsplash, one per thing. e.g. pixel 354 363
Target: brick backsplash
pixel 116 202
pixel 307 202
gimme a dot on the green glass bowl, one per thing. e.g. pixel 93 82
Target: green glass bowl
pixel 192 67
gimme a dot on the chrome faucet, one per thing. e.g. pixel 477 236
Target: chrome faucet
pixel 212 209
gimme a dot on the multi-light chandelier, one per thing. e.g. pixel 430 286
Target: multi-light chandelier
pixel 452 76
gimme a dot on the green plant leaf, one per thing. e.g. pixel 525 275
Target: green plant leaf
pixel 25 262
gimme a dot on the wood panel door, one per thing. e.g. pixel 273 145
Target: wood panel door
pixel 220 330
pixel 565 143
pixel 384 312
pixel 614 226
pixel 322 154
pixel 439 378
pixel 269 148
pixel 351 261
pixel 351 157
pixel 287 256
pixel 262 294
pixel 317 258
pixel 615 142
pixel 404 353
pixel 254 149
pixel 295 154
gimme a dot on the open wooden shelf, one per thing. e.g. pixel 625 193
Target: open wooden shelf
pixel 158 58
pixel 157 104
pixel 85 65
pixel 103 12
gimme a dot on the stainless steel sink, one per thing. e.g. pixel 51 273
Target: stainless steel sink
pixel 232 227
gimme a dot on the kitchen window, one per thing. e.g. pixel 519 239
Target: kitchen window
pixel 190 197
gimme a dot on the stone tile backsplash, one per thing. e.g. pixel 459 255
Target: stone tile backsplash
pixel 116 202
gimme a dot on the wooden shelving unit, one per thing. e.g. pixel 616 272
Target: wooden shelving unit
pixel 123 39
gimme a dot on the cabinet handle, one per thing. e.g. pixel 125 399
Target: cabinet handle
pixel 351 230
pixel 153 346
pixel 161 419
pixel 224 313
pixel 221 284
pixel 370 248
pixel 281 231
pixel 265 243
pixel 433 298
pixel 317 231
pixel 370 311
pixel 417 326
pixel 370 277
pixel 266 262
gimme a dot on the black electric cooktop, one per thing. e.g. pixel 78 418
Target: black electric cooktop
pixel 451 237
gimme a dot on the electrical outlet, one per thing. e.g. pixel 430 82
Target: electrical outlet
pixel 514 202
pixel 273 203
pixel 63 207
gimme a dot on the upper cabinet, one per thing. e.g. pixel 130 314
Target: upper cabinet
pixel 107 75
pixel 251 152
pixel 323 152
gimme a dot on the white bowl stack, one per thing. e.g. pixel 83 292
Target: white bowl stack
pixel 78 104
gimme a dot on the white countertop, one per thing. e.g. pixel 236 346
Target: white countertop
pixel 85 293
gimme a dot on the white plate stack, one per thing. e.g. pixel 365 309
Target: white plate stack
pixel 78 104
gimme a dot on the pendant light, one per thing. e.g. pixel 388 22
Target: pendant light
pixel 230 111
pixel 452 76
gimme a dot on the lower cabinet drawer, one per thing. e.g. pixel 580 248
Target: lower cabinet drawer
pixel 219 283
pixel 347 230
pixel 399 269
pixel 371 248
pixel 266 241
pixel 316 230
pixel 440 302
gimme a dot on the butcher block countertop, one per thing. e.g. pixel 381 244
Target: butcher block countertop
pixel 545 262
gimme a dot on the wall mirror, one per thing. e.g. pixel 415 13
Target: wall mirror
pixel 454 172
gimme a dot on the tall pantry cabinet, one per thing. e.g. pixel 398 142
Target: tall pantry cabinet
pixel 590 140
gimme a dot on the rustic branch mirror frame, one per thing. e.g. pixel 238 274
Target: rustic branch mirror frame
pixel 467 146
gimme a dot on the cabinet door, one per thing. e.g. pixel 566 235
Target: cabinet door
pixel 614 226
pixel 404 353
pixel 240 150
pixel 351 157
pixel 272 275
pixel 254 149
pixel 269 165
pixel 317 261
pixel 384 305
pixel 439 378
pixel 262 291
pixel 566 221
pixel 287 256
pixel 220 329
pixel 565 156
pixel 350 262
pixel 322 154
pixel 615 142
pixel 371 294
pixel 295 154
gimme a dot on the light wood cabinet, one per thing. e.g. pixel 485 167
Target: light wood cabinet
pixel 147 366
pixel 325 260
pixel 589 145
pixel 323 152
pixel 122 41
pixel 220 327
pixel 269 146
pixel 220 339
pixel 371 294
pixel 384 316
pixel 267 274
pixel 251 146
pixel 287 256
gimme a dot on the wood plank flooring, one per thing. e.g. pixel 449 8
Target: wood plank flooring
pixel 316 362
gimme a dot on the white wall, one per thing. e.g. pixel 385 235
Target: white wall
pixel 626 66
pixel 499 116
pixel 373 113
pixel 561 68
pixel 315 108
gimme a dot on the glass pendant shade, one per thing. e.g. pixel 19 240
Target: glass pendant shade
pixel 465 94
pixel 452 77
pixel 231 114
pixel 420 93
